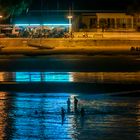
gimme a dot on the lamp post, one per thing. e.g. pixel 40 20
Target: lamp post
pixel 70 23
pixel 1 18
pixel 0 22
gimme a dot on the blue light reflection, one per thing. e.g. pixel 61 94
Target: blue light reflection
pixel 47 122
pixel 57 76
pixel 43 77
pixel 45 24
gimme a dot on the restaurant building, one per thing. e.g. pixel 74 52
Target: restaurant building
pixel 106 22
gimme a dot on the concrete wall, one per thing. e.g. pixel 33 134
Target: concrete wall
pixel 76 42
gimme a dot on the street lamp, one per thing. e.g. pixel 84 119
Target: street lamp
pixel 1 18
pixel 0 21
pixel 70 23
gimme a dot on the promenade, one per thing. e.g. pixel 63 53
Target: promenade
pixel 93 43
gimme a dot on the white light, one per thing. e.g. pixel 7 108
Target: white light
pixel 46 24
pixel 61 24
pixel 70 17
pixel 21 24
pixel 34 24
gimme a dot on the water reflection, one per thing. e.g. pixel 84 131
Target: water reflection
pixel 6 122
pixel 89 77
pixel 45 76
pixel 38 116
pixel 3 114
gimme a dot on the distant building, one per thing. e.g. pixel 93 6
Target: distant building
pixel 106 22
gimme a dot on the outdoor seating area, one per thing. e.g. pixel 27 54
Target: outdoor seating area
pixel 32 31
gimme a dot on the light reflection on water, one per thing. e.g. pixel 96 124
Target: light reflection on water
pixel 37 116
pixel 86 77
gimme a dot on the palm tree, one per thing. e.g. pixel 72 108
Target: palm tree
pixel 10 8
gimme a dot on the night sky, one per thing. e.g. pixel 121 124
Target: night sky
pixel 80 4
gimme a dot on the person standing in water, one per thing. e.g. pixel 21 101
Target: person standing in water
pixel 62 115
pixel 82 112
pixel 75 103
pixel 62 111
pixel 68 104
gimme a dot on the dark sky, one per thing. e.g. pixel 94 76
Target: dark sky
pixel 104 4
pixel 81 4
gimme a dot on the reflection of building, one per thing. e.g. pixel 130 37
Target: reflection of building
pixel 43 77
pixel 86 77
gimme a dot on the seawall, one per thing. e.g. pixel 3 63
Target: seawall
pixel 68 42
pixel 70 45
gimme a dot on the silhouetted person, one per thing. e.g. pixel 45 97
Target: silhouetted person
pixel 62 114
pixel 75 103
pixel 82 119
pixel 62 111
pixel 36 112
pixel 42 112
pixel 82 112
pixel 68 104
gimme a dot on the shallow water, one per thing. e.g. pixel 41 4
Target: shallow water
pixel 37 116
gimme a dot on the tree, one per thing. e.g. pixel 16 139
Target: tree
pixel 10 8
pixel 134 10
pixel 134 7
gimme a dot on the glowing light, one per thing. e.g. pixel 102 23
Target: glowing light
pixel 69 17
pixel 22 24
pixel 70 23
pixel 34 24
pixel 45 24
pixel 1 76
pixel 57 76
pixel 57 24
pixel 35 76
pixel 44 76
pixel 27 24
pixel 22 76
